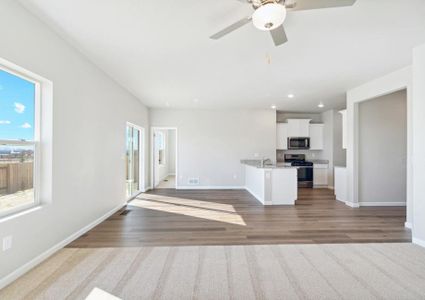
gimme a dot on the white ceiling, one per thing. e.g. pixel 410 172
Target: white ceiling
pixel 160 50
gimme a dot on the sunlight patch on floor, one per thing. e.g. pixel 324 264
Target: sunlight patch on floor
pixel 198 209
pixel 189 202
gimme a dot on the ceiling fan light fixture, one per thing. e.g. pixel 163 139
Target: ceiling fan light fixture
pixel 269 16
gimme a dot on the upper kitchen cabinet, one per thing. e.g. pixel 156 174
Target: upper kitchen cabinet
pixel 282 136
pixel 299 127
pixel 344 128
pixel 316 136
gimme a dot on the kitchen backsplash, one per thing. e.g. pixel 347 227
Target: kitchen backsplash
pixel 309 154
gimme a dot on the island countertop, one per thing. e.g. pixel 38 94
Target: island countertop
pixel 257 164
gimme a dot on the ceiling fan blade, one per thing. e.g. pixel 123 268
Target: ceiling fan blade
pixel 279 36
pixel 294 5
pixel 231 28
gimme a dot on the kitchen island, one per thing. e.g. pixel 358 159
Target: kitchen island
pixel 271 184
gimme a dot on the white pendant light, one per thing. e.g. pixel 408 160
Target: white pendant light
pixel 269 16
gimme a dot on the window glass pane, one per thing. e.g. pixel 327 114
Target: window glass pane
pixel 132 160
pixel 136 160
pixel 16 107
pixel 129 160
pixel 16 177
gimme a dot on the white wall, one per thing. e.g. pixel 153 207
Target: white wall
pixel 284 116
pixel 419 145
pixel 383 149
pixel 211 143
pixel 89 122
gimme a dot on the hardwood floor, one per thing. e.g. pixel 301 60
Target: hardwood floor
pixel 234 217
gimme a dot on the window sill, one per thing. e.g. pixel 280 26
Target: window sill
pixel 21 213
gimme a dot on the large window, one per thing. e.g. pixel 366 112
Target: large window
pixel 19 137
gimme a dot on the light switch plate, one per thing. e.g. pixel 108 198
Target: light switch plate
pixel 7 243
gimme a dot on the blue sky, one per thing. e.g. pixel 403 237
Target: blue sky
pixel 16 107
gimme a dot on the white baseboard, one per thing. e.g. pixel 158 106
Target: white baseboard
pixel 418 242
pixel 320 187
pixel 408 225
pixel 8 279
pixel 382 203
pixel 208 187
pixel 352 204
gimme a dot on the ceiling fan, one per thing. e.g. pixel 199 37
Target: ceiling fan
pixel 269 15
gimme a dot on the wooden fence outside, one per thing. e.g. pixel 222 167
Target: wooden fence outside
pixel 16 177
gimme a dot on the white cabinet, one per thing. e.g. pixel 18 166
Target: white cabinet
pixel 282 136
pixel 341 183
pixel 344 128
pixel 320 175
pixel 316 136
pixel 299 127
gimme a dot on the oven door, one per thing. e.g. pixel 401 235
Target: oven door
pixel 305 176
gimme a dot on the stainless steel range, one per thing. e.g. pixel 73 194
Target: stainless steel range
pixel 305 169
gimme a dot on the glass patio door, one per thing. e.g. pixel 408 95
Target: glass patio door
pixel 133 155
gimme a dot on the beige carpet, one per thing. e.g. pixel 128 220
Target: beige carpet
pixel 351 271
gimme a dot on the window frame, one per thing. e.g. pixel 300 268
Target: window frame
pixel 35 142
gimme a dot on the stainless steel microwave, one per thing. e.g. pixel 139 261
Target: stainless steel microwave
pixel 295 143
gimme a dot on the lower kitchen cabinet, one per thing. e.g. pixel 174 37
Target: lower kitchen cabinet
pixel 320 175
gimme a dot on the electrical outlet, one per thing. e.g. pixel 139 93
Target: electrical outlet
pixel 7 243
pixel 193 181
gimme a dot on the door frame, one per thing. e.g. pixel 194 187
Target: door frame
pixel 152 153
pixel 142 143
pixel 387 84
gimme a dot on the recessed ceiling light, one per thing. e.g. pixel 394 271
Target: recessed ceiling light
pixel 321 105
pixel 273 107
pixel 196 100
pixel 290 96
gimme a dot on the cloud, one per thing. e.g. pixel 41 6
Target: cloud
pixel 4 122
pixel 19 107
pixel 26 125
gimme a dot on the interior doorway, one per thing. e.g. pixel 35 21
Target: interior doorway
pixel 135 182
pixel 164 157
pixel 382 150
